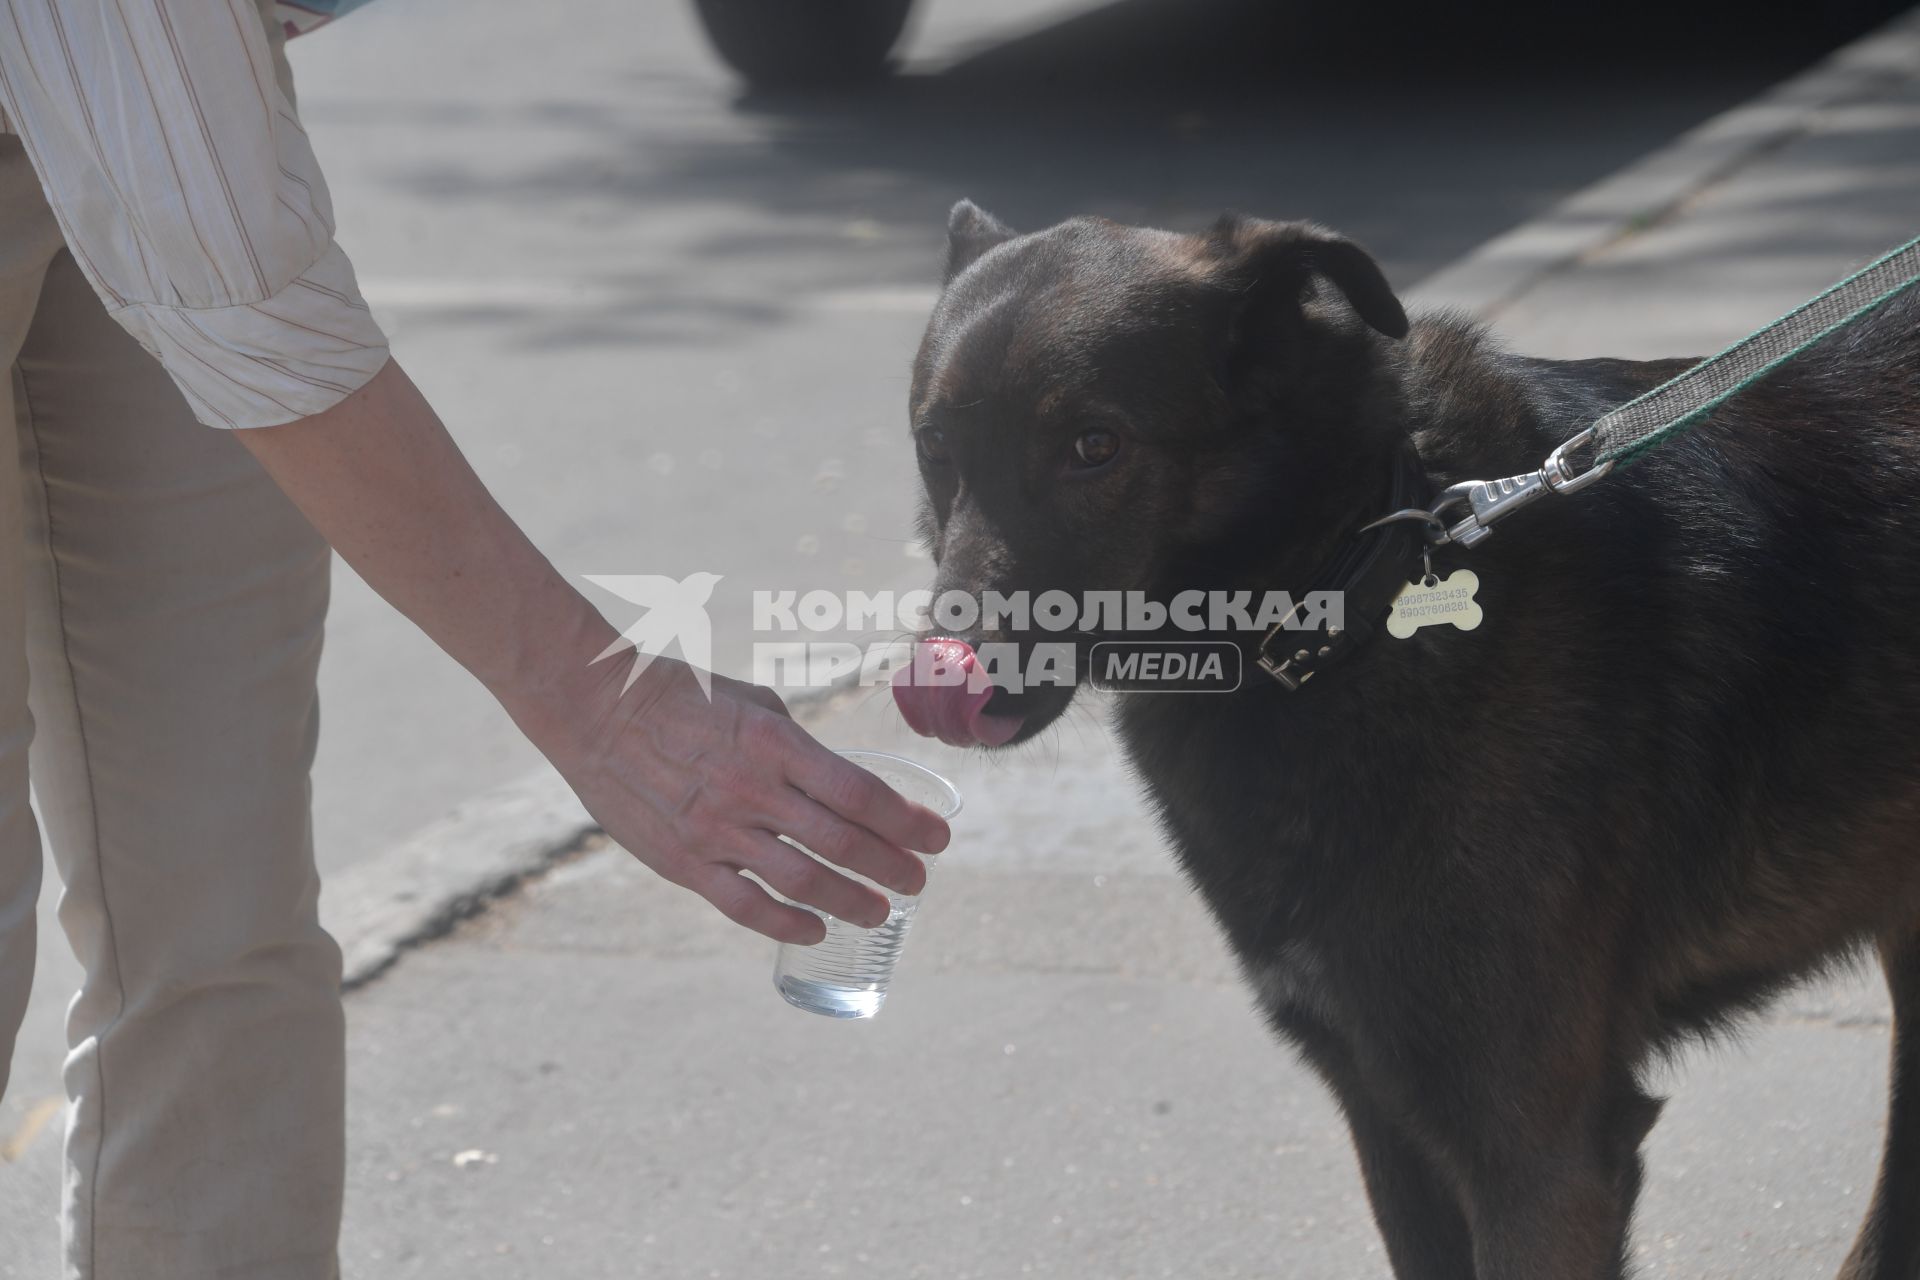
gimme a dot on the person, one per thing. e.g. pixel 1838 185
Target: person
pixel 167 265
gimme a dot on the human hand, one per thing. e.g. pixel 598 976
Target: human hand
pixel 701 790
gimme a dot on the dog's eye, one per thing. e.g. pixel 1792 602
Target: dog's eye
pixel 1096 448
pixel 933 444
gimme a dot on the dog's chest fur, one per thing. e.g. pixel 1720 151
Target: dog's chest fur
pixel 1295 981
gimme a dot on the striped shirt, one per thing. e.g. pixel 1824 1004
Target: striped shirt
pixel 190 197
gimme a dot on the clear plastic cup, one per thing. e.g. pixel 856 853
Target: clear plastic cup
pixel 845 974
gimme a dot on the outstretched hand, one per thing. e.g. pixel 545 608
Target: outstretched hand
pixel 702 790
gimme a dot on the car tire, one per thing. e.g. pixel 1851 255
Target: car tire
pixel 804 44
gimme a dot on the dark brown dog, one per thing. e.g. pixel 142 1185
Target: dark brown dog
pixel 1479 877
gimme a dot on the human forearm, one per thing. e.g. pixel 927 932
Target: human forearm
pixel 383 482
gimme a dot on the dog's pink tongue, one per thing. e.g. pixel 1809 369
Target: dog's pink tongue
pixel 942 696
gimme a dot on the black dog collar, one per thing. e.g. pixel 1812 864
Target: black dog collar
pixel 1370 572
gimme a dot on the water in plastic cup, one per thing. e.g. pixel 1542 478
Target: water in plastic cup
pixel 845 975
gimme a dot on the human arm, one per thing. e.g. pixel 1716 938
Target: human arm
pixel 697 790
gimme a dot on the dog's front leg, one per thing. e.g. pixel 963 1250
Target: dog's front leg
pixel 1889 1243
pixel 1418 1214
pixel 1561 1220
pixel 1550 1162
pixel 1558 1205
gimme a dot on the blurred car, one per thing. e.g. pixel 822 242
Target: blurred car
pixel 795 44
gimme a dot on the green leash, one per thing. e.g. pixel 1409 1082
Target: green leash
pixel 1672 407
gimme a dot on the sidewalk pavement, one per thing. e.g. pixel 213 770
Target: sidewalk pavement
pixel 595 1078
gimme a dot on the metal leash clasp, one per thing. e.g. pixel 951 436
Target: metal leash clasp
pixel 1488 501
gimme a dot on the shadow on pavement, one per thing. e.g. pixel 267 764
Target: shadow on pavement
pixel 1422 133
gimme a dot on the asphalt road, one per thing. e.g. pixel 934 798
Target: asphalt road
pixel 671 323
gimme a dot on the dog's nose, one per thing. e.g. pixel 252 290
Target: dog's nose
pixel 943 693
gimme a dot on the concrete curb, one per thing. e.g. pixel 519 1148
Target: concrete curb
pixel 1649 191
pixel 450 870
pixel 489 846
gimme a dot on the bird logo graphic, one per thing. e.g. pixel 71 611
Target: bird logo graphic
pixel 675 617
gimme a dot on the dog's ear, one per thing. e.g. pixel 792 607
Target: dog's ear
pixel 1274 264
pixel 971 231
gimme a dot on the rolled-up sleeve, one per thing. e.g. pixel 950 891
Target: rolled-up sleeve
pixel 190 197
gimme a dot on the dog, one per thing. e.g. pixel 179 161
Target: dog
pixel 1479 878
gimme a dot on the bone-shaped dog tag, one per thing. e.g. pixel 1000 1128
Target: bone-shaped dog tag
pixel 1449 599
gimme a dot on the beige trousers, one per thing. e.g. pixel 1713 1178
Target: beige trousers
pixel 160 618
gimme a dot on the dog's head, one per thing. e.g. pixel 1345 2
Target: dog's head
pixel 1107 408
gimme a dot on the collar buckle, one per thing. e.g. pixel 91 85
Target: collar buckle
pixel 1296 669
pixel 1312 648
